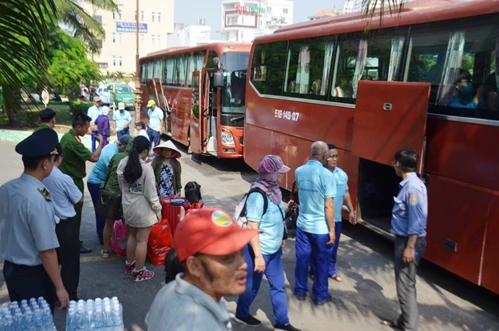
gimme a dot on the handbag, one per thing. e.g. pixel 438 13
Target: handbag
pixel 109 205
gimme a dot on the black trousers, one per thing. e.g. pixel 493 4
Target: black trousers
pixel 26 282
pixel 68 254
pixel 405 278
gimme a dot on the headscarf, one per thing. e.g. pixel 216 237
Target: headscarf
pixel 268 169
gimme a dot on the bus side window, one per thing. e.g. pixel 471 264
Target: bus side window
pixel 150 69
pixel 308 67
pixel 267 69
pixel 342 88
pixel 165 70
pixel 143 72
pixel 170 64
pixel 158 68
pixel 182 69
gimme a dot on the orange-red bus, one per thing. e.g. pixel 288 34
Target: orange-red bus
pixel 399 86
pixel 202 89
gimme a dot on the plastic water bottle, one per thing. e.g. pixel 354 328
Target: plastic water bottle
pixel 89 319
pixel 48 320
pixel 70 318
pixel 28 320
pixel 99 318
pixel 38 318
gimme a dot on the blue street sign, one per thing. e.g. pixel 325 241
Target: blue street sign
pixel 130 27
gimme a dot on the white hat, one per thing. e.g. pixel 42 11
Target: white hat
pixel 121 105
pixel 105 110
pixel 167 144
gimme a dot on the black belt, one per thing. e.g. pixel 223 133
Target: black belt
pixel 22 266
pixel 66 219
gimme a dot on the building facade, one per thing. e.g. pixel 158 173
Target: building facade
pixel 351 6
pixel 190 35
pixel 118 47
pixel 242 21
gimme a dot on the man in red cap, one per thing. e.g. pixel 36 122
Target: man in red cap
pixel 209 247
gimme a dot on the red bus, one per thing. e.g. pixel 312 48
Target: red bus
pixel 202 89
pixel 392 88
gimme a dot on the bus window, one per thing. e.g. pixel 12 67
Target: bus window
pixel 158 68
pixel 346 68
pixel 211 64
pixel 181 70
pixel 170 65
pixel 384 56
pixel 143 72
pixel 267 69
pixel 308 68
pixel 150 69
pixel 467 82
pixel 234 91
pixel 164 73
pixel 196 64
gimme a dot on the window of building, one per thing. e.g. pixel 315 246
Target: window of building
pixel 159 17
pixel 120 12
pixel 242 35
pixel 120 61
pixel 268 67
pixel 285 10
pixel 242 20
pixel 114 61
pixel 153 14
pixel 142 15
pixel 269 10
pixel 114 15
pixel 308 67
pixel 114 38
pixel 119 38
pixel 142 38
pixel 153 39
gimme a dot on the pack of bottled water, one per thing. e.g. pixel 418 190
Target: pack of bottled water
pixel 33 315
pixel 99 314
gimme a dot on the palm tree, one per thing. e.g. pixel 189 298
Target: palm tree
pixel 82 24
pixel 24 31
pixel 371 6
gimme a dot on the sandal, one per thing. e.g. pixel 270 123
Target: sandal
pixel 104 254
pixel 391 324
pixel 337 278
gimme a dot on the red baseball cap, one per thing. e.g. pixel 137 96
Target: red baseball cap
pixel 210 231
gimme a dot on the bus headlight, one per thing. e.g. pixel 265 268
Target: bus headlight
pixel 227 138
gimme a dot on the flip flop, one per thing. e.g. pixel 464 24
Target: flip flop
pixel 104 254
pixel 337 278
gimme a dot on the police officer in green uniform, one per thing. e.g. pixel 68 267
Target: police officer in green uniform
pixel 75 155
pixel 27 225
pixel 47 119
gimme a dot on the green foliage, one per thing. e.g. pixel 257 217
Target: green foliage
pixel 120 74
pixel 467 62
pixel 79 106
pixel 69 64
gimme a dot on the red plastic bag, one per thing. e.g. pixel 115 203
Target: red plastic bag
pixel 160 242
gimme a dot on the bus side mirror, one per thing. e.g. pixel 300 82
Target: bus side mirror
pixel 218 80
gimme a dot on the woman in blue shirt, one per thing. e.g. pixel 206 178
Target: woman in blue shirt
pixel 263 254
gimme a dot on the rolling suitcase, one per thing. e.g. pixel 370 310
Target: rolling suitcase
pixel 170 211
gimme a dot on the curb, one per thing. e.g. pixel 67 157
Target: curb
pixel 15 136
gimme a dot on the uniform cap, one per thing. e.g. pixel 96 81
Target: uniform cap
pixel 151 103
pixel 210 231
pixel 125 139
pixel 41 143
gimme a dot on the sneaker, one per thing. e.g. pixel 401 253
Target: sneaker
pixel 141 275
pixel 249 321
pixel 129 267
pixel 285 327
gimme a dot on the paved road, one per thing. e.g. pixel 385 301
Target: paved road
pixel 367 293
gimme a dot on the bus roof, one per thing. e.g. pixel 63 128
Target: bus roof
pixel 220 46
pixel 415 12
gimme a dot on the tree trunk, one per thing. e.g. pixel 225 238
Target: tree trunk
pixel 11 104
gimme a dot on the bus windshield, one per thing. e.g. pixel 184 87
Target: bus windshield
pixel 234 90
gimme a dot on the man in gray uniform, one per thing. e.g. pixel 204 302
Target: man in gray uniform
pixel 409 215
pixel 65 194
pixel 27 225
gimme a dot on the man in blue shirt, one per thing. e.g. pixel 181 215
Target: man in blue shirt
pixel 315 225
pixel 156 122
pixel 97 178
pixel 122 120
pixel 409 215
pixel 94 112
pixel 342 197
pixel 65 195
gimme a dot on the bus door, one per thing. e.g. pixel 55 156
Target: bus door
pixel 198 114
pixel 212 123
pixel 389 116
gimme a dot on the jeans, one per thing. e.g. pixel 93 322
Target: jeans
pixel 275 275
pixel 68 255
pixel 154 136
pixel 334 255
pixel 308 244
pixel 123 133
pixel 100 220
